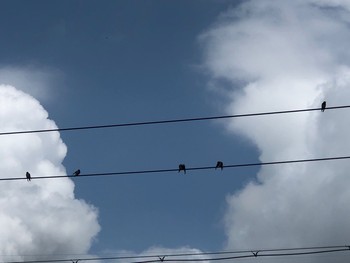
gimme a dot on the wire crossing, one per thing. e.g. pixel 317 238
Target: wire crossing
pixel 178 170
pixel 198 257
pixel 128 124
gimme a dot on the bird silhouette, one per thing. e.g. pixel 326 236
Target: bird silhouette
pixel 77 172
pixel 323 106
pixel 28 176
pixel 220 165
pixel 182 167
pixel 255 253
pixel 161 259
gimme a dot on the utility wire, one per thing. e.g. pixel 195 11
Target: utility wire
pixel 177 170
pixel 169 121
pixel 246 254
pixel 155 254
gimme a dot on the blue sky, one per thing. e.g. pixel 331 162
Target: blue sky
pixel 124 61
pixel 102 62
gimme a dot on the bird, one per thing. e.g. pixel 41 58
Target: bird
pixel 182 167
pixel 161 259
pixel 220 165
pixel 323 106
pixel 255 253
pixel 77 172
pixel 28 176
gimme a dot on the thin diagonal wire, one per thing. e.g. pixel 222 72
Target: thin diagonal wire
pixel 176 170
pixel 252 253
pixel 154 255
pixel 128 124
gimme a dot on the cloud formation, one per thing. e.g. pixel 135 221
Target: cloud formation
pixel 280 55
pixel 38 82
pixel 41 217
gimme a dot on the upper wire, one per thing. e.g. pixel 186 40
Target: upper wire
pixel 169 121
pixel 279 252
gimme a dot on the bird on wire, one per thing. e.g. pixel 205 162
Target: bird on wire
pixel 220 165
pixel 323 106
pixel 28 176
pixel 77 172
pixel 182 167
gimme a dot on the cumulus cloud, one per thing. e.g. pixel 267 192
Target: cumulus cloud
pixel 41 217
pixel 38 82
pixel 279 55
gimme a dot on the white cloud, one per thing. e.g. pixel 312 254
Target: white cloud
pixel 38 82
pixel 332 3
pixel 41 217
pixel 289 55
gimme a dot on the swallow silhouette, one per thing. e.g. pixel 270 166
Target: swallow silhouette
pixel 220 165
pixel 28 176
pixel 182 167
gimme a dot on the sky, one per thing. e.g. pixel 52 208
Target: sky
pixel 80 63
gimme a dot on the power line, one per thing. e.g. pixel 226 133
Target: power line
pixel 177 170
pixel 128 124
pixel 280 252
pixel 155 254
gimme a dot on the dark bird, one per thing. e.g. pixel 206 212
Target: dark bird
pixel 255 253
pixel 77 172
pixel 323 106
pixel 28 176
pixel 161 258
pixel 220 165
pixel 182 167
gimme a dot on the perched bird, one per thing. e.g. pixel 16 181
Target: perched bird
pixel 161 259
pixel 77 172
pixel 323 106
pixel 255 253
pixel 220 165
pixel 28 176
pixel 182 167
